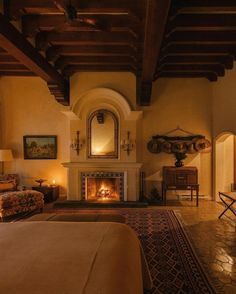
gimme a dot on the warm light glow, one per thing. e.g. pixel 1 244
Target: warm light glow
pixel 98 149
pixel 103 189
pixel 53 182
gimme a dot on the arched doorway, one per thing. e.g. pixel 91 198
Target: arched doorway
pixel 224 163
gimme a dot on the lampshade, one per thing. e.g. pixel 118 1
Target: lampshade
pixel 6 155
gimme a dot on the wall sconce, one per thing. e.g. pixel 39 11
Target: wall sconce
pixel 76 144
pixel 126 144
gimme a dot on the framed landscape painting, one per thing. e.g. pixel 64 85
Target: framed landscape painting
pixel 40 147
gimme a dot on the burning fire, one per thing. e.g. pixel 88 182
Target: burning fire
pixel 103 192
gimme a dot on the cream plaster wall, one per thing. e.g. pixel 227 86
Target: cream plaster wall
pixel 27 108
pixel 224 103
pixel 178 102
pixel 123 82
pixel 224 164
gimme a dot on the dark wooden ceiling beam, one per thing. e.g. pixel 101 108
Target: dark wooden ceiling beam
pixel 216 68
pixel 207 36
pixel 54 52
pixel 197 49
pixel 226 60
pixel 205 21
pixel 62 62
pixel 16 45
pixel 156 19
pixel 71 69
pixel 15 8
pixel 2 51
pixel 13 67
pixel 44 39
pixel 32 24
pixel 175 74
pixel 17 73
pixel 8 59
pixel 203 6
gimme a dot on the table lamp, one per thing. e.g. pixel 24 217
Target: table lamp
pixel 5 155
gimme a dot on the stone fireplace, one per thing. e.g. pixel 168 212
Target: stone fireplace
pixel 79 174
pixel 103 186
pixel 103 168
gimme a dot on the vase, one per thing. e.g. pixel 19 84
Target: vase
pixel 179 163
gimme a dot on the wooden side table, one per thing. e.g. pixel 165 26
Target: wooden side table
pixel 180 178
pixel 51 193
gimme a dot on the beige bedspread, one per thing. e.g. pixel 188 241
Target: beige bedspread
pixel 70 258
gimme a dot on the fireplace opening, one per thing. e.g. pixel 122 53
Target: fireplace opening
pixel 103 186
pixel 103 189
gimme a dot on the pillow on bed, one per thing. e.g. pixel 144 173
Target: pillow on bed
pixel 7 186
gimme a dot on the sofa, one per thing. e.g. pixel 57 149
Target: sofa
pixel 13 202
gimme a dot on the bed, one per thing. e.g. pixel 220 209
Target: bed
pixel 70 258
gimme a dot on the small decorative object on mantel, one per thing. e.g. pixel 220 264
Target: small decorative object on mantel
pixel 179 145
pixel 40 181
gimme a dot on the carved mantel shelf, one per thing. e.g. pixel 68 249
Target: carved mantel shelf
pixel 107 164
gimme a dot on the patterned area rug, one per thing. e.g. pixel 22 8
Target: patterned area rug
pixel 172 262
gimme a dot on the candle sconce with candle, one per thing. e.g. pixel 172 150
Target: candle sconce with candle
pixel 127 144
pixel 76 143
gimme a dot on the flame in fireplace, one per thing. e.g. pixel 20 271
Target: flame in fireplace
pixel 104 192
pixel 103 189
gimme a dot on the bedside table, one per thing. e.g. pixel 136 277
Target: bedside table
pixel 51 193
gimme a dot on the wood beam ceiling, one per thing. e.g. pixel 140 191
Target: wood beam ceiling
pixel 151 38
pixel 16 45
pixel 15 8
pixel 44 39
pixel 200 37
pixel 156 18
pixel 33 24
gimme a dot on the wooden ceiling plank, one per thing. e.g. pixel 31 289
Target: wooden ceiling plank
pixel 156 19
pixel 217 68
pixel 32 24
pixel 224 36
pixel 174 74
pixel 196 49
pixel 202 21
pixel 226 60
pixel 16 8
pixel 62 62
pixel 16 73
pixel 43 39
pixel 54 52
pixel 71 69
pixel 203 3
pixel 202 6
pixel 16 45
pixel 13 67
pixel 8 59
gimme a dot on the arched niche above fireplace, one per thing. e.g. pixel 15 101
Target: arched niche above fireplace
pixel 102 137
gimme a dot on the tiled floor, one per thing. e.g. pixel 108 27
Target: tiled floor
pixel 214 240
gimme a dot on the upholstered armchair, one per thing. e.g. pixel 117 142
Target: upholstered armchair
pixel 13 201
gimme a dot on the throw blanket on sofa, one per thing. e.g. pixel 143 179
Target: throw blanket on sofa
pixel 71 258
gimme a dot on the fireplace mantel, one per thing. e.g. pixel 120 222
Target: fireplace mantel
pixel 105 164
pixel 130 169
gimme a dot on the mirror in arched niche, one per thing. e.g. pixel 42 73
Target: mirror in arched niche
pixel 102 134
